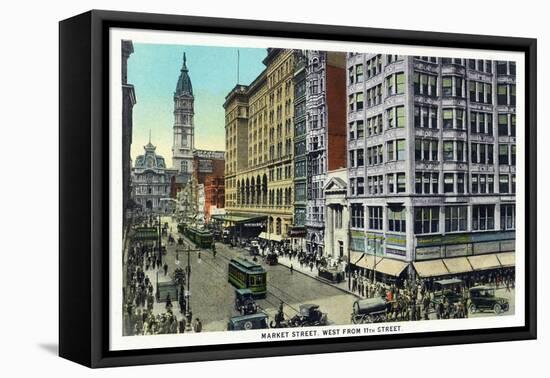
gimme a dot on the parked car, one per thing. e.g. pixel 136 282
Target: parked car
pixel 450 289
pixel 271 259
pixel 483 298
pixel 244 302
pixel 246 322
pixel 309 315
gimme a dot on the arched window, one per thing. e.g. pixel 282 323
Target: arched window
pixel 264 189
pixel 247 194
pixel 252 191
pixel 258 190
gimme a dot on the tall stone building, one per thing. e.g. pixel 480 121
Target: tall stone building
pixel 432 162
pixel 128 102
pixel 184 127
pixel 208 169
pixel 259 134
pixel 325 135
pixel 236 141
pixel 298 232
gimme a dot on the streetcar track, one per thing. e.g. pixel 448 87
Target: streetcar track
pixel 221 269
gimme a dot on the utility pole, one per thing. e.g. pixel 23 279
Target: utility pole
pixel 188 293
pixel 349 253
pixel 160 243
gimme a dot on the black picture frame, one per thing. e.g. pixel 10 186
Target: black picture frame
pixel 84 182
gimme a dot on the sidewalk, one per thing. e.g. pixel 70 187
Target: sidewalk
pixel 342 286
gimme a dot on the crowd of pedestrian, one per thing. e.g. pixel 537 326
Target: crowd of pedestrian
pixel 139 296
pixel 406 298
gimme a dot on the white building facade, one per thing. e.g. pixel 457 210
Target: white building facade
pixel 431 164
pixel 336 238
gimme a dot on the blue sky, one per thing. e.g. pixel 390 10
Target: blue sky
pixel 154 69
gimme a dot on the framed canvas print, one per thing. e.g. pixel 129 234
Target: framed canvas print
pixel 234 188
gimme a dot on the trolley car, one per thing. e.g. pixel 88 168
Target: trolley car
pixel 201 238
pixel 244 274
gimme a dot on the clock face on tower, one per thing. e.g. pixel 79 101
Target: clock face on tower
pixel 150 162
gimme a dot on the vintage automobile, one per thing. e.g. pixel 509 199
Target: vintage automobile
pixel 226 237
pixel 246 322
pixel 244 302
pixel 271 259
pixel 483 298
pixel 179 276
pixel 309 315
pixel 332 274
pixel 370 310
pixel 252 250
pixel 450 289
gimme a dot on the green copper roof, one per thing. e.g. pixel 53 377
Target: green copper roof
pixel 184 82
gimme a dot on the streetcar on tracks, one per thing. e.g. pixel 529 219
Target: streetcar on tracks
pixel 202 238
pixel 245 274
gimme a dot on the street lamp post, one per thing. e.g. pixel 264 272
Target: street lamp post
pixel 160 242
pixel 349 255
pixel 188 293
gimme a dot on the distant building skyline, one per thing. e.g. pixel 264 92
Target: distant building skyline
pixel 154 72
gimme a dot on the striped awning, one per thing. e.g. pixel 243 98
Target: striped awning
pixel 391 267
pixel 381 264
pixel 484 262
pixel 457 265
pixel 268 236
pixel 507 259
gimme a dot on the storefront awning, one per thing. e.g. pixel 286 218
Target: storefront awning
pixel 457 265
pixel 390 267
pixel 507 259
pixel 381 264
pixel 274 237
pixel 362 260
pixel 239 218
pixel 430 268
pixel 484 262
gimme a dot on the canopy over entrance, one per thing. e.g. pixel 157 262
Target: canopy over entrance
pixel 238 218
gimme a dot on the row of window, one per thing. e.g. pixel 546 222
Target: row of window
pixel 428 150
pixel 427 218
pixel 374 67
pixel 427 117
pixel 481 65
pixel 428 183
pixel 396 183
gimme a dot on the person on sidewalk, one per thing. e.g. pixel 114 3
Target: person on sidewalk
pixel 197 326
pixel 291 269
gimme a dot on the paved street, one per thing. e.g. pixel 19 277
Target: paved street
pixel 212 297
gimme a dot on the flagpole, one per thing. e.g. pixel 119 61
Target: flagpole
pixel 238 65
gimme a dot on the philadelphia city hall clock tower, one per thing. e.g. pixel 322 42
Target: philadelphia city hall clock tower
pixel 184 138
